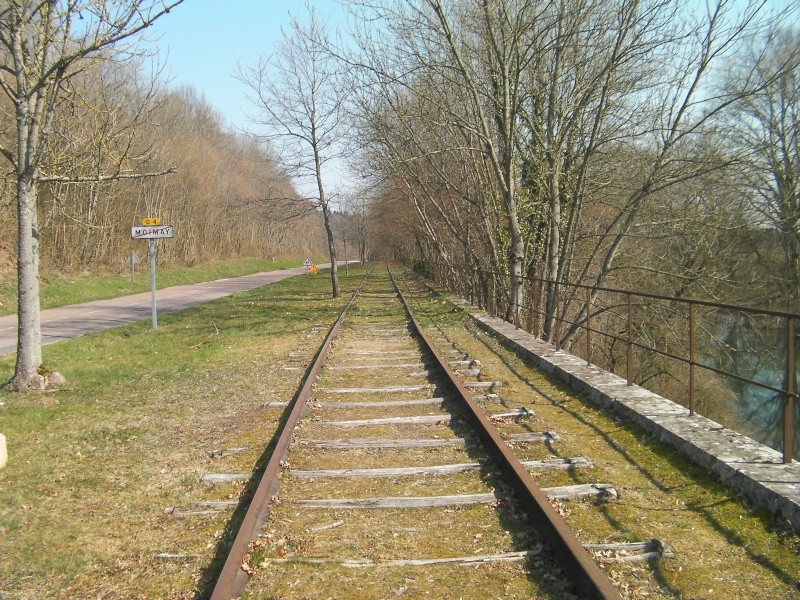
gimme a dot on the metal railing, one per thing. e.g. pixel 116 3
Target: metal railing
pixel 584 297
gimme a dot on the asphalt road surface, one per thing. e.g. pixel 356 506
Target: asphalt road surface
pixel 79 319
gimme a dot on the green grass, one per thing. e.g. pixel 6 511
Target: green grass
pixel 93 465
pixel 62 290
pixel 724 548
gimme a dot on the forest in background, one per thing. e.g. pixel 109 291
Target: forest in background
pixel 224 195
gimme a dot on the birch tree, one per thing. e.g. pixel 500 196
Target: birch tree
pixel 43 45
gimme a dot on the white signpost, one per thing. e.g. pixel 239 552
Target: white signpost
pixel 152 230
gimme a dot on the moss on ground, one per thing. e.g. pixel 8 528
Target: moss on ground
pixel 724 548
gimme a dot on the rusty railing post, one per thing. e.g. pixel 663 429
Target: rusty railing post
pixel 493 299
pixel 536 293
pixel 629 356
pixel 588 326
pixel 691 357
pixel 556 319
pixel 788 409
pixel 473 296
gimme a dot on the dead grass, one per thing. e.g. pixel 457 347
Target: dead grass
pixel 373 458
pixel 507 581
pixel 431 485
pixel 92 467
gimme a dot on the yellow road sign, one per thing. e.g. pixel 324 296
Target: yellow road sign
pixel 151 221
pixel 312 269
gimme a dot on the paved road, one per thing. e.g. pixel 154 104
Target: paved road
pixel 78 319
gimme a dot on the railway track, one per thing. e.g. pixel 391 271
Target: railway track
pixel 394 477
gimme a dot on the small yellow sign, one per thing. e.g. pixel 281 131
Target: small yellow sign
pixel 312 269
pixel 151 221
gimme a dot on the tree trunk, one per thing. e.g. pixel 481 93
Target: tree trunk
pixel 516 258
pixel 326 216
pixel 553 272
pixel 29 339
pixel 331 251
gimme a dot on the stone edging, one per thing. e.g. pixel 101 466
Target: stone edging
pixel 754 470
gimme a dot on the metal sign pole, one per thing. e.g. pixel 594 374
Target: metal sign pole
pixel 152 230
pixel 153 283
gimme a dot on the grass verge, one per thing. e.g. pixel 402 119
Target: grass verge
pixel 93 466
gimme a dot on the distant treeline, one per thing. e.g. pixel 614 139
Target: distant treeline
pixel 223 194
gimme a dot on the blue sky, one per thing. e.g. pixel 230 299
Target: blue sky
pixel 201 42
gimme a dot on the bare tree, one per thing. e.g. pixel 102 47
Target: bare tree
pixel 298 98
pixel 536 133
pixel 353 225
pixel 765 129
pixel 619 113
pixel 43 45
pixel 450 75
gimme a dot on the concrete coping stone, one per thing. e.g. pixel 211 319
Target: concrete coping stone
pixel 754 470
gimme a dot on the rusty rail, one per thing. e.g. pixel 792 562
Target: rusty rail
pixel 232 578
pixel 573 558
pixel 589 580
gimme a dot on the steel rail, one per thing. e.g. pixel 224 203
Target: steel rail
pixel 574 559
pixel 232 578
